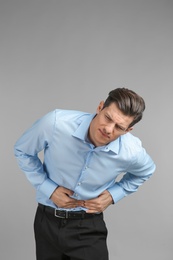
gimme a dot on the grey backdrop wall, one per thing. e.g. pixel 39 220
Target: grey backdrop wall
pixel 69 54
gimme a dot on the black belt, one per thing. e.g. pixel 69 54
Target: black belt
pixel 66 214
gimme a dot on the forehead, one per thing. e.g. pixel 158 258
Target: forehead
pixel 117 116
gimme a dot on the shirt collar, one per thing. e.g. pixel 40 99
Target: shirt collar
pixel 82 132
pixel 113 146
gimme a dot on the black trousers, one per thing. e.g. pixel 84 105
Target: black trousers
pixel 70 239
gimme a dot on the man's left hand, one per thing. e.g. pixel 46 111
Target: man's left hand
pixel 100 203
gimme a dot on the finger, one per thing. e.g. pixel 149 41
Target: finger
pixel 81 203
pixel 91 211
pixel 73 203
pixel 93 207
pixel 76 203
pixel 68 192
pixel 91 204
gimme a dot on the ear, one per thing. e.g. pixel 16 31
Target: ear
pixel 100 106
pixel 129 129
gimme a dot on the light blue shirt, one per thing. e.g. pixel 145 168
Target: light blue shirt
pixel 71 161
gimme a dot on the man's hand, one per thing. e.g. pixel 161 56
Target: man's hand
pixel 61 198
pixel 99 204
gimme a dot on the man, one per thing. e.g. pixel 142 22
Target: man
pixel 83 155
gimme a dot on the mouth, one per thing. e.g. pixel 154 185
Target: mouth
pixel 104 135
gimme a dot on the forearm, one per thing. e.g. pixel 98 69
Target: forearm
pixel 34 171
pixel 127 185
pixel 139 172
pixel 26 149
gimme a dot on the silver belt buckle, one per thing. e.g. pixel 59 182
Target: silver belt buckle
pixel 55 214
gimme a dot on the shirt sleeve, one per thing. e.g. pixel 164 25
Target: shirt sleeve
pixel 26 149
pixel 139 171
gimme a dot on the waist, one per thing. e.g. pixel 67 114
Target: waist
pixel 67 214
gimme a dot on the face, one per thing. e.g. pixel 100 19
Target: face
pixel 108 125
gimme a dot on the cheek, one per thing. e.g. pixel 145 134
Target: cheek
pixel 101 121
pixel 98 122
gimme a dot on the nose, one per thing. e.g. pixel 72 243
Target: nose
pixel 109 128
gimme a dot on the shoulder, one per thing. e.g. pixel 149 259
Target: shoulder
pixel 131 139
pixel 66 115
pixel 131 144
pixel 134 151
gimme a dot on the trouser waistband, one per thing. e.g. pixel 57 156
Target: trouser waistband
pixel 66 214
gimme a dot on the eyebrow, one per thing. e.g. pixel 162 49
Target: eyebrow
pixel 122 127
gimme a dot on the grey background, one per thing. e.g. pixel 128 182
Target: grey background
pixel 70 54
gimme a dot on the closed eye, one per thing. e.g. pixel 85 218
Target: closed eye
pixel 108 118
pixel 119 128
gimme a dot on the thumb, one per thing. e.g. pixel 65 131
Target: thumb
pixel 68 192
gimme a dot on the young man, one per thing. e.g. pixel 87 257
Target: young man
pixel 83 155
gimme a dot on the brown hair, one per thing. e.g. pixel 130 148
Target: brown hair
pixel 130 103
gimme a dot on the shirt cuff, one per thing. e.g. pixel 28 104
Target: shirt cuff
pixel 48 187
pixel 116 192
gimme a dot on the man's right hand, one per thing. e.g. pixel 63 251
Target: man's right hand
pixel 61 198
